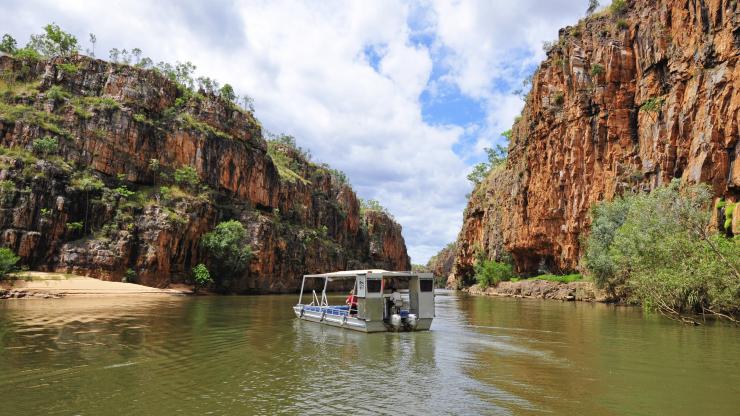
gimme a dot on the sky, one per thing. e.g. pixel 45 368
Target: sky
pixel 403 96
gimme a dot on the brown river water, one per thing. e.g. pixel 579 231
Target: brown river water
pixel 249 355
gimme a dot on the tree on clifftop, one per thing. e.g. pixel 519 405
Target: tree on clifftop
pixel 54 42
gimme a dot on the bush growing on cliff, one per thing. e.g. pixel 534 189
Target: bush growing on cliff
pixel 187 176
pixel 497 156
pixel 490 272
pixel 228 247
pixel 45 146
pixel 658 247
pixel 201 277
pixel 8 261
pixel 597 70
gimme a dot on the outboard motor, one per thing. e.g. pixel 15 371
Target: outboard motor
pixel 411 321
pixel 395 321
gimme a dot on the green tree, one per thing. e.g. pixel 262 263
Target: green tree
pixel 187 176
pixel 201 277
pixel 54 42
pixel 88 183
pixel 8 44
pixel 490 272
pixel 228 247
pixel 8 261
pixel 660 249
pixel 478 174
pixel 227 93
pixel 592 6
pixel 45 146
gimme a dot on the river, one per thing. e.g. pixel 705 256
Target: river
pixel 249 355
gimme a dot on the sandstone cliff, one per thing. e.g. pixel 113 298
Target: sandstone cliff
pixel 441 263
pixel 625 101
pixel 106 202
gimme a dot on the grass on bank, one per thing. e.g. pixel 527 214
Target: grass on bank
pixel 491 272
pixel 567 278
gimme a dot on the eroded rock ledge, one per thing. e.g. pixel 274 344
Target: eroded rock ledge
pixel 544 289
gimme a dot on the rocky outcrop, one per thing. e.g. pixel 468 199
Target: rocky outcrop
pixel 441 263
pixel 625 101
pixel 108 201
pixel 544 289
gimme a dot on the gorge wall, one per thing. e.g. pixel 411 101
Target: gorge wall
pixel 625 101
pixel 106 201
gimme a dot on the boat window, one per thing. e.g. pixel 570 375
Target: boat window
pixel 373 286
pixel 426 285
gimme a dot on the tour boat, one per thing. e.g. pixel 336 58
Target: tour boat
pixel 379 304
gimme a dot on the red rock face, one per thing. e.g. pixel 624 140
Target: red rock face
pixel 295 227
pixel 614 108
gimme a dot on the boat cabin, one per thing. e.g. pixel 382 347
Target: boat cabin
pixel 378 301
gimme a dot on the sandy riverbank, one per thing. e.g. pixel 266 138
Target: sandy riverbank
pixel 584 291
pixel 57 285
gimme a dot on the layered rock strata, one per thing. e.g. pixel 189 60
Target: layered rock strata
pixel 626 100
pixel 106 202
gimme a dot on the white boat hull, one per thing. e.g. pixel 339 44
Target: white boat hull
pixel 355 324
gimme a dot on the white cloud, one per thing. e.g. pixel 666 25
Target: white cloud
pixel 304 64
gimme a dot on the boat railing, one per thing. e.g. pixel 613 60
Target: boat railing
pixel 315 300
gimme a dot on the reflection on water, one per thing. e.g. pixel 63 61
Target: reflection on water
pixel 249 355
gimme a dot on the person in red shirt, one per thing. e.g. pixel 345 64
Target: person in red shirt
pixel 352 302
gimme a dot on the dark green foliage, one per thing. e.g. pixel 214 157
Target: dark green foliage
pixel 490 272
pixel 8 261
pixel 130 276
pixel 45 146
pixel 74 226
pixel 622 24
pixel 187 176
pixel 56 93
pixel 228 247
pixel 658 248
pixel 597 70
pixel 123 192
pixel 592 6
pixel 201 276
pixel 227 93
pixel 68 68
pixel 558 99
pixel 653 104
pixel 141 118
pixel 8 44
pixel 618 7
pixel 27 54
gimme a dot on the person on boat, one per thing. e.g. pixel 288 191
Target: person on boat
pixel 396 300
pixel 352 302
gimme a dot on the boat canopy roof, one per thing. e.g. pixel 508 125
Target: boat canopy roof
pixel 351 274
